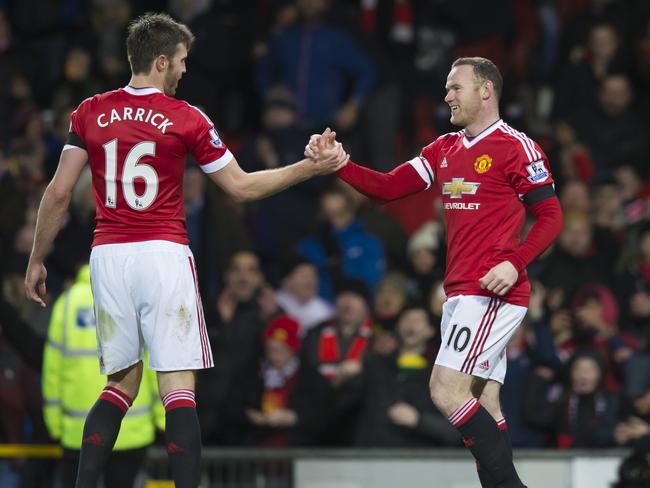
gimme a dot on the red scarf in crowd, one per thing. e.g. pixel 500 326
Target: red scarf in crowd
pixel 329 348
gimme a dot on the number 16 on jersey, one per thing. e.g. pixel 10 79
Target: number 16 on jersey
pixel 131 171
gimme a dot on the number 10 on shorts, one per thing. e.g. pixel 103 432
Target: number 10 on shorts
pixel 461 339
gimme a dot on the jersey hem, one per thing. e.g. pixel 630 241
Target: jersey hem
pixel 123 239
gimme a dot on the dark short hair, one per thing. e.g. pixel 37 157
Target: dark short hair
pixel 484 70
pixel 151 35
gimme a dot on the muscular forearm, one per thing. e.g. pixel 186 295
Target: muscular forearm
pixel 51 214
pixel 385 187
pixel 262 184
pixel 544 231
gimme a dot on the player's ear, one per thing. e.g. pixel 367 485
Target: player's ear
pixel 161 63
pixel 486 89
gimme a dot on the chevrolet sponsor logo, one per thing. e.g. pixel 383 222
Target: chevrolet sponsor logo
pixel 457 187
pixel 462 206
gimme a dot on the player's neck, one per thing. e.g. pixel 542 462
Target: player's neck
pixel 145 81
pixel 480 124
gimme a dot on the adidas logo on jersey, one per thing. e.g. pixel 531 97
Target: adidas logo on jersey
pixel 485 365
pixel 444 163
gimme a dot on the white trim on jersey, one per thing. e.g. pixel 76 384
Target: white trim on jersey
pixel 419 165
pixel 526 142
pixel 141 91
pixel 202 113
pixel 467 143
pixel 218 164
pixel 71 146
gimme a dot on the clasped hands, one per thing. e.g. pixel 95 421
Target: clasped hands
pixel 326 152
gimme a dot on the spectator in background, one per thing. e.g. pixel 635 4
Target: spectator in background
pixel 634 430
pixel 28 150
pixel 316 61
pixel 574 197
pixel 337 348
pixel 20 404
pixel 280 138
pixel 343 248
pixel 634 192
pixel 298 295
pixel 596 327
pixel 634 287
pixel 109 20
pixel 613 129
pixel 531 346
pixel 380 223
pixel 576 259
pixel 78 81
pixel 607 203
pixel 391 298
pixel 397 410
pixel 283 400
pixel 578 87
pixel 243 309
pixel 426 260
pixel 581 414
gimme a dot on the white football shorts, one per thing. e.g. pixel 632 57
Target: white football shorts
pixel 146 294
pixel 475 331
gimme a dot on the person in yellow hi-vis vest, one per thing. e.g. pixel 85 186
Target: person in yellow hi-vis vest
pixel 72 382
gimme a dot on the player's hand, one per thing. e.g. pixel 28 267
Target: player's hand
pixel 500 279
pixel 35 282
pixel 319 142
pixel 404 414
pixel 327 154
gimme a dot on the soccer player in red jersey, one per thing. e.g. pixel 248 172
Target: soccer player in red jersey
pixel 143 274
pixel 487 173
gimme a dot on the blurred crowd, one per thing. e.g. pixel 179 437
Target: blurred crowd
pixel 324 308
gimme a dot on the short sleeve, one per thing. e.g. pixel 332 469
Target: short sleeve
pixel 204 142
pixel 529 167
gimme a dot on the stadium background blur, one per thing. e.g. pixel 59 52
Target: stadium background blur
pixel 577 79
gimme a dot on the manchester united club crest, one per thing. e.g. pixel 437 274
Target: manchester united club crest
pixel 483 164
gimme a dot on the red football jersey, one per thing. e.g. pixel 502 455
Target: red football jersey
pixel 137 140
pixel 482 181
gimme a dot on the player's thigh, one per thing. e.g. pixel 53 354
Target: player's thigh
pixel 171 313
pixel 477 334
pixel 119 343
pixel 449 388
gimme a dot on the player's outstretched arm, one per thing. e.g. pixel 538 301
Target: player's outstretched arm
pixel 402 181
pixel 51 212
pixel 245 187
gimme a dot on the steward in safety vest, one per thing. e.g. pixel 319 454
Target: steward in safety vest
pixel 72 381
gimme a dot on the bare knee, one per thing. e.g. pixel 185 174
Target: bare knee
pixel 175 380
pixel 127 380
pixel 449 389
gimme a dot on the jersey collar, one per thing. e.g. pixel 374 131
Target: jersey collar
pixel 141 91
pixel 482 135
